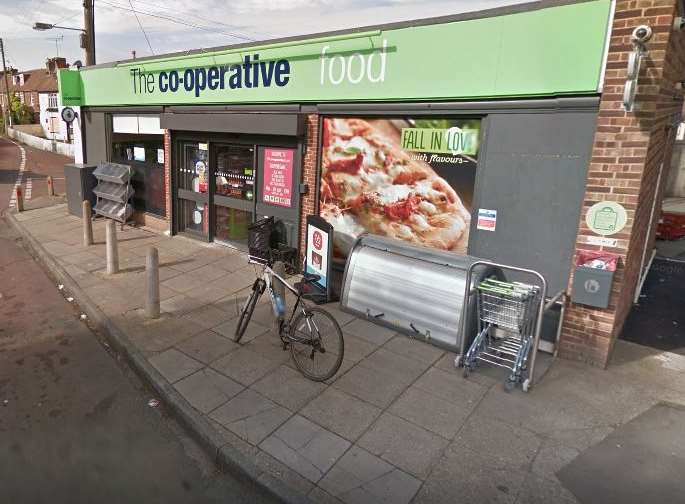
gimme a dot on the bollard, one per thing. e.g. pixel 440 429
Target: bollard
pixel 51 187
pixel 112 247
pixel 152 272
pixel 20 199
pixel 87 224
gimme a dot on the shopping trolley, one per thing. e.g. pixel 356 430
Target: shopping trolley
pixel 506 319
pixel 509 320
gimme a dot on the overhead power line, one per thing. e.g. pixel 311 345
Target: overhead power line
pixel 201 18
pixel 141 28
pixel 177 21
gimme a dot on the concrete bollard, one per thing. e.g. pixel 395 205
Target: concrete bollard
pixel 20 199
pixel 112 247
pixel 152 272
pixel 87 224
pixel 51 187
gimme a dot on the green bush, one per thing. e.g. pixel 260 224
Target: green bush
pixel 21 113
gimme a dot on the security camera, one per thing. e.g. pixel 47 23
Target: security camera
pixel 641 35
pixel 678 23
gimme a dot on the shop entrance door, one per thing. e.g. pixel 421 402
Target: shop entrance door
pixel 193 189
pixel 233 179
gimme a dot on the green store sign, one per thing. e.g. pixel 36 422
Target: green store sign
pixel 551 51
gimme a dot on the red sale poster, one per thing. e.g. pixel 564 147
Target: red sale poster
pixel 277 177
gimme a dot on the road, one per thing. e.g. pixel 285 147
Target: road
pixel 75 425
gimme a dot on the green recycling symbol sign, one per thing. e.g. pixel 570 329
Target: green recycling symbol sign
pixel 606 218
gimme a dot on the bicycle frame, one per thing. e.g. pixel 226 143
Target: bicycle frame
pixel 267 275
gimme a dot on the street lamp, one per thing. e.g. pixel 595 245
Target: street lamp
pixel 87 35
pixel 48 26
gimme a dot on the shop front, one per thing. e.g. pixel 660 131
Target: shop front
pixel 480 145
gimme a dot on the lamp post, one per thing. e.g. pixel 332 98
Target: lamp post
pixel 87 34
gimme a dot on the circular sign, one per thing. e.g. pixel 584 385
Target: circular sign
pixel 68 114
pixel 591 286
pixel 317 239
pixel 606 218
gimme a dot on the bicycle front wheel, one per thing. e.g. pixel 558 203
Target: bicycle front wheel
pixel 248 308
pixel 316 344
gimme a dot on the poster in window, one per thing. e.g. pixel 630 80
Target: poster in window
pixel 277 177
pixel 139 153
pixel 407 178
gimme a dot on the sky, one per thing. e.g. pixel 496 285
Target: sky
pixel 175 25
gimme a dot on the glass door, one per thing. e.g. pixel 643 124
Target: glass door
pixel 193 189
pixel 233 170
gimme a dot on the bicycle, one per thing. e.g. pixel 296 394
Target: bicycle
pixel 312 334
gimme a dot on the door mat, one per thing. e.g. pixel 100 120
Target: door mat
pixel 641 462
pixel 658 321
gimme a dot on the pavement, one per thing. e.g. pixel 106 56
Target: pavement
pixel 397 424
pixel 75 424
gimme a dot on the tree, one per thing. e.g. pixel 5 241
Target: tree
pixel 21 113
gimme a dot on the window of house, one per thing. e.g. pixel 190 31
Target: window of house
pixel 145 155
pixel 52 100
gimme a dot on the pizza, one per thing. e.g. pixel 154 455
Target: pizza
pixel 368 183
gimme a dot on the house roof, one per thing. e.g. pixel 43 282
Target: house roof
pixel 38 80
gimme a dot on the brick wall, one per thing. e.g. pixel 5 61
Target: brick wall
pixel 628 151
pixel 309 170
pixel 167 174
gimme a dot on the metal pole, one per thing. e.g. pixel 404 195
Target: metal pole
pixel 8 120
pixel 86 214
pixel 152 272
pixel 112 247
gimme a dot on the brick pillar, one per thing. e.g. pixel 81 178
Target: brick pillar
pixel 309 170
pixel 629 148
pixel 167 173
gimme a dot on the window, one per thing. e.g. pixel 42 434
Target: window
pixel 52 100
pixel 33 99
pixel 145 155
pixel 410 178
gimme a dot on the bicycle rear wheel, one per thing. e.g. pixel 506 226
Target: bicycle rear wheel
pixel 316 344
pixel 246 313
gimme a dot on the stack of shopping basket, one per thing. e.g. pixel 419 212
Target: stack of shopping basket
pixel 506 328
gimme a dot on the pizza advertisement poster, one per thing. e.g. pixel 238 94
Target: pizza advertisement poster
pixel 411 179
pixel 277 178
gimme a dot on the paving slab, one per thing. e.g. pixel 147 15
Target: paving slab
pixel 288 388
pixel 360 477
pixel 253 330
pixel 505 445
pixel 373 333
pixel 174 365
pixel 370 385
pixel 431 412
pixel 341 413
pixel 180 304
pixel 244 366
pixel 208 316
pixel 305 447
pixel 250 416
pixel 414 349
pixel 403 444
pixel 467 477
pixel 207 346
pixel 206 389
